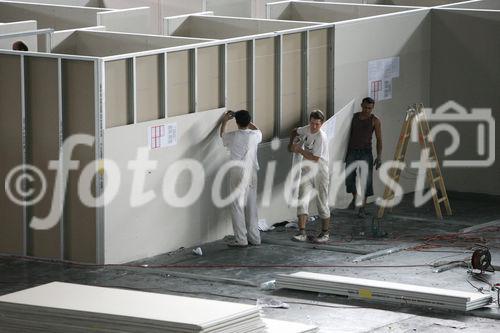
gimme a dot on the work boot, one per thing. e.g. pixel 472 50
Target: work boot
pixel 323 237
pixel 300 237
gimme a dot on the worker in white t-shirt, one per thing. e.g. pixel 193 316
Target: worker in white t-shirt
pixel 313 146
pixel 242 145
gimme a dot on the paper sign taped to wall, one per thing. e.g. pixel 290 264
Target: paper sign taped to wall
pixel 380 75
pixel 160 136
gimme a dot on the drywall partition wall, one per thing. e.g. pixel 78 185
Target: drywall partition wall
pixel 103 44
pixel 137 20
pixel 291 98
pixel 327 12
pixel 237 75
pixel 178 83
pixel 9 28
pixel 418 3
pixel 172 23
pixel 79 3
pixel 264 98
pixel 477 4
pixel 11 149
pixel 471 78
pixel 208 80
pixel 160 225
pixel 243 8
pixel 118 99
pixel 63 37
pixel 405 36
pixel 148 87
pixel 50 16
pixel 219 27
pixel 318 70
pixel 78 97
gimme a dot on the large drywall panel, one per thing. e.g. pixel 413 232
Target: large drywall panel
pixel 8 28
pixel 208 80
pixel 220 27
pixel 50 16
pixel 177 83
pixel 465 69
pixel 243 8
pixel 148 88
pixel 137 20
pixel 403 35
pixel 102 44
pixel 264 105
pixel 237 67
pixel 117 90
pixel 158 226
pixel 43 118
pixel 11 214
pixel 478 4
pixel 291 83
pixel 79 118
pixel 318 70
pixel 329 12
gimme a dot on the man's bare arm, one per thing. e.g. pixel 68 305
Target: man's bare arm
pixel 378 136
pixel 225 118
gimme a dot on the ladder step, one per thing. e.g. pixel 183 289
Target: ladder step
pixel 436 179
pixel 443 199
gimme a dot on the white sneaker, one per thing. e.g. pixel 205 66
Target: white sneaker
pixel 323 238
pixel 300 237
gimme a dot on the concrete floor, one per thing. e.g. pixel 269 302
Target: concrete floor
pixel 235 274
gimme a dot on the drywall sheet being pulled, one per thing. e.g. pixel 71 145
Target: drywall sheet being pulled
pixel 208 80
pixel 291 83
pixel 79 118
pixel 50 16
pixel 264 111
pixel 8 28
pixel 178 210
pixel 327 12
pixel 42 109
pixel 137 20
pixel 472 37
pixel 11 150
pixel 405 35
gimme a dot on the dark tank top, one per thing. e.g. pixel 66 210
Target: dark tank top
pixel 361 132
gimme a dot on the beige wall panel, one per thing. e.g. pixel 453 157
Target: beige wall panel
pixel 264 87
pixel 237 63
pixel 11 214
pixel 43 110
pixel 208 78
pixel 117 94
pixel 471 77
pixel 177 83
pixel 406 36
pixel 79 118
pixel 318 73
pixel 291 83
pixel 148 87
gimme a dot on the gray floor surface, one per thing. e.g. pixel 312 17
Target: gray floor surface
pixel 235 275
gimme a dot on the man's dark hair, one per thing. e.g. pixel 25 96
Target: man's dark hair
pixel 242 118
pixel 19 46
pixel 368 100
pixel 317 114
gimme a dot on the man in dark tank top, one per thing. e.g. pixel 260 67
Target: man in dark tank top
pixel 359 150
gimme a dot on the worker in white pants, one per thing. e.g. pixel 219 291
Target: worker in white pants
pixel 242 145
pixel 313 146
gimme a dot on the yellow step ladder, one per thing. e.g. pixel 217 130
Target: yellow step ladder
pixel 415 118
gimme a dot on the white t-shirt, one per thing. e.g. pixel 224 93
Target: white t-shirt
pixel 243 144
pixel 316 143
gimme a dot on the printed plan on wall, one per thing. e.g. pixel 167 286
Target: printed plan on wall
pixel 380 75
pixel 160 136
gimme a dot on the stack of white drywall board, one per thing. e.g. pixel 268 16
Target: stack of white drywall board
pixel 66 307
pixel 384 291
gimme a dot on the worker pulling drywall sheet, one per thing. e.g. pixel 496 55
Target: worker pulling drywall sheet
pixel 337 129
